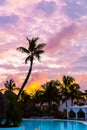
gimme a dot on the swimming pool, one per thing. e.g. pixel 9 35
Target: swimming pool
pixel 53 125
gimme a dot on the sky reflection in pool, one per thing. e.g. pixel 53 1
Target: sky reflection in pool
pixel 53 125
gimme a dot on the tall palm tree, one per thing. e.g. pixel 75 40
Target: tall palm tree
pixel 67 88
pixel 74 92
pixel 51 93
pixel 33 51
pixel 11 104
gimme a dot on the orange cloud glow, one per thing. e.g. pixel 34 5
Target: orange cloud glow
pixel 32 88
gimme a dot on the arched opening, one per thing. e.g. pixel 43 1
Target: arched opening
pixel 81 114
pixel 72 114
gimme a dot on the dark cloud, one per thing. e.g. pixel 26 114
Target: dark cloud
pixel 47 7
pixel 8 19
pixel 73 9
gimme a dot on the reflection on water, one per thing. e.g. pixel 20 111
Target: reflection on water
pixel 53 125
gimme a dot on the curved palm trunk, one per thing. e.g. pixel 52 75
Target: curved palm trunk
pixel 26 79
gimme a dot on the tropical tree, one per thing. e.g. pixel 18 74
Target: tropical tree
pixel 38 97
pixel 51 94
pixel 25 96
pixel 10 85
pixel 68 88
pixel 25 99
pixel 74 92
pixel 85 96
pixel 33 51
pixel 3 107
pixel 13 115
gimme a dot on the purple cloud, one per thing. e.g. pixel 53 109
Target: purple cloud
pixel 75 9
pixel 47 7
pixel 83 59
pixel 8 19
pixel 80 64
pixel 2 2
pixel 59 40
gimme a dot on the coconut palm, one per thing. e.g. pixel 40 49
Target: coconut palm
pixel 13 116
pixel 85 96
pixel 51 94
pixel 38 97
pixel 3 106
pixel 68 88
pixel 74 92
pixel 33 52
pixel 10 85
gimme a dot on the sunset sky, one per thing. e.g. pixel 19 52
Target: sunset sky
pixel 61 24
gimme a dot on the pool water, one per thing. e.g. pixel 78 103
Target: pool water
pixel 53 125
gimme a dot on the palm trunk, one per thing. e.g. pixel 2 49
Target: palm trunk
pixel 26 79
pixel 66 104
pixel 71 101
pixel 49 107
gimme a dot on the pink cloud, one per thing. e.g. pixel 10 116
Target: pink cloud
pixel 82 80
pixel 63 38
pixel 66 40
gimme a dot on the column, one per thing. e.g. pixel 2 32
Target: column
pixel 76 115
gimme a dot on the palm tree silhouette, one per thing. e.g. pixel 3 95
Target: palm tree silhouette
pixel 51 93
pixel 33 52
pixel 68 88
pixel 10 85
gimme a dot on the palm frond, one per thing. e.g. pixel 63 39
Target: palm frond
pixel 38 53
pixel 70 79
pixel 32 46
pixel 17 88
pixel 28 39
pixel 67 80
pixel 27 59
pixel 32 43
pixel 40 46
pixel 59 83
pixel 3 89
pixel 35 39
pixel 37 56
pixel 75 86
pixel 29 42
pixel 23 50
